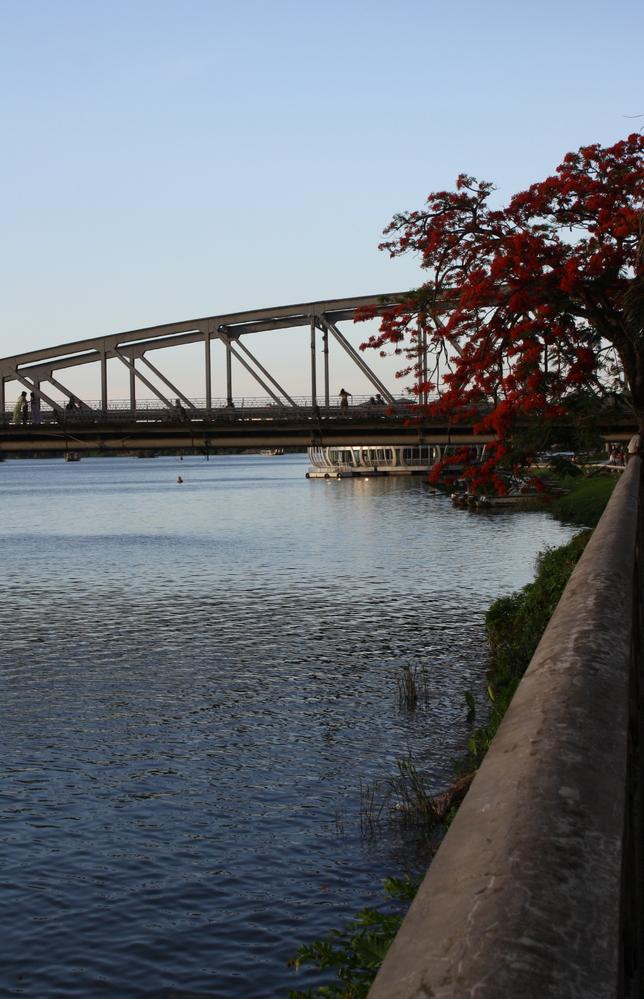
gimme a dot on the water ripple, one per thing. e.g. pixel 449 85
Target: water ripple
pixel 197 681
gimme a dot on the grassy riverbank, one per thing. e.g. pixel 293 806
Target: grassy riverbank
pixel 584 500
pixel 514 626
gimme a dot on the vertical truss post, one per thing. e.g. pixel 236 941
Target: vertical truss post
pixel 103 383
pixel 207 370
pixel 2 399
pixel 314 399
pixel 133 385
pixel 325 350
pixel 229 375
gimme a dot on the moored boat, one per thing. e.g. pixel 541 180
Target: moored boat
pixel 351 461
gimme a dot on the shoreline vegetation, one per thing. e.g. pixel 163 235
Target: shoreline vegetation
pixel 514 625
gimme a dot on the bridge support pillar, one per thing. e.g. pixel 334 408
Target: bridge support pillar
pixel 229 375
pixel 325 351
pixel 103 382
pixel 314 400
pixel 133 385
pixel 207 367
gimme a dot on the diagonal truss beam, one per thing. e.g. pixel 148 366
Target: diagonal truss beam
pixel 326 324
pixel 231 351
pixel 166 381
pixel 138 374
pixel 268 375
pixel 70 395
pixel 35 388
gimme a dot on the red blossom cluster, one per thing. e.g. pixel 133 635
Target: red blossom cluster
pixel 524 304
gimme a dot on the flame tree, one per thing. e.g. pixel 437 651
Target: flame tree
pixel 527 306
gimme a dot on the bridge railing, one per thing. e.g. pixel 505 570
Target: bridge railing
pixel 198 409
pixel 536 889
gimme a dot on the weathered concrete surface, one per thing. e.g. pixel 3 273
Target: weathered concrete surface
pixel 523 898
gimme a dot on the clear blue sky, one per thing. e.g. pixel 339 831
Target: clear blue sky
pixel 168 159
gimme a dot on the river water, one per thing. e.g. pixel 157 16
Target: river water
pixel 199 681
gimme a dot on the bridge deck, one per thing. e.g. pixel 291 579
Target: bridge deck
pixel 240 429
pixel 248 428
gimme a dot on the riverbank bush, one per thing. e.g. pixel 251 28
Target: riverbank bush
pixel 514 626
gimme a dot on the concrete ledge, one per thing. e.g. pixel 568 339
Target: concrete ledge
pixel 523 899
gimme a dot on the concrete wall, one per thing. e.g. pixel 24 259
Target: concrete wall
pixel 523 898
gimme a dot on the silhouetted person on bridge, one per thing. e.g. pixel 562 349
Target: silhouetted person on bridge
pixel 181 413
pixel 71 408
pixel 16 416
pixel 35 408
pixel 344 398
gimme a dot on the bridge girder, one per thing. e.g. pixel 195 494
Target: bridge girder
pixel 235 430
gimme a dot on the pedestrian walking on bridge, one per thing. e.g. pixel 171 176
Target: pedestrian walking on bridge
pixel 18 409
pixel 344 398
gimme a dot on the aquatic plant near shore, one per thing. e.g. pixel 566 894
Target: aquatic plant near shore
pixel 405 800
pixel 413 688
pixel 357 951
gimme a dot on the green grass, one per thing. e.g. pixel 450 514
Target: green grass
pixel 585 500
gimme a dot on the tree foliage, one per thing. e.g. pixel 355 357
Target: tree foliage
pixel 527 305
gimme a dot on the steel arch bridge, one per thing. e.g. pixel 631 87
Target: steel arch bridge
pixel 38 371
pixel 278 419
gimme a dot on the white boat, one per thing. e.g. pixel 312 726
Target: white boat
pixel 359 461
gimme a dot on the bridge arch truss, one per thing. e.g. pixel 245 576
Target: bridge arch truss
pixel 38 371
